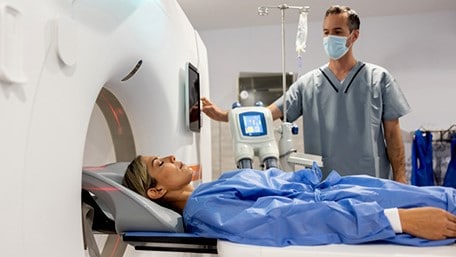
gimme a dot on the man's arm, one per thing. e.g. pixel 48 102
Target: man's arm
pixel 275 111
pixel 215 113
pixel 395 149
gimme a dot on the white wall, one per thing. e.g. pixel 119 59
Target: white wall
pixel 417 49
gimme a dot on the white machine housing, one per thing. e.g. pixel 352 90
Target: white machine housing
pixel 253 133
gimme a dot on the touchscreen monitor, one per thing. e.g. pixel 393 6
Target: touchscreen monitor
pixel 193 109
pixel 253 124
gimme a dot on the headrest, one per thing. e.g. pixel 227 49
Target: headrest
pixel 130 211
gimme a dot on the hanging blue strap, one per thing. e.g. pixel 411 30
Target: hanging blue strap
pixel 422 173
pixel 450 176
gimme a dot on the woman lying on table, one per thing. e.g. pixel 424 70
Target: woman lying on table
pixel 277 208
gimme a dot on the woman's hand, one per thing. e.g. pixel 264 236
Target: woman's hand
pixel 428 223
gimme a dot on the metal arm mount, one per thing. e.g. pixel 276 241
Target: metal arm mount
pixel 303 159
pixel 288 155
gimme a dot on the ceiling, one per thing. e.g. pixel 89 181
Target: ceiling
pixel 222 14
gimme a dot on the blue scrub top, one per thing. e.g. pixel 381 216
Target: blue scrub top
pixel 275 208
pixel 342 121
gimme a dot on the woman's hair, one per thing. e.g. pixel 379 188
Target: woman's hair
pixel 137 177
pixel 353 18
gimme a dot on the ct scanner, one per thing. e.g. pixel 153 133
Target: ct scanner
pixel 90 82
pixel 57 57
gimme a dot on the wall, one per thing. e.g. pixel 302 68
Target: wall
pixel 417 50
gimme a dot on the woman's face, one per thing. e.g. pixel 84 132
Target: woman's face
pixel 168 172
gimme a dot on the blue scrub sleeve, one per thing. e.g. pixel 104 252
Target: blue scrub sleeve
pixel 294 97
pixel 395 104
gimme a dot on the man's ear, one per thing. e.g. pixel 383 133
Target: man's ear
pixel 156 192
pixel 355 35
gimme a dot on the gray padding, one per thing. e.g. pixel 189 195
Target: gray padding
pixel 130 211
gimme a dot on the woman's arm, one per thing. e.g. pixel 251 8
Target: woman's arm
pixel 428 222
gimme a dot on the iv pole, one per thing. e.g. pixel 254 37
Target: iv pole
pixel 264 10
pixel 288 155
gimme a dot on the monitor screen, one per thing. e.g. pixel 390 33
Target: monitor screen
pixel 253 124
pixel 193 98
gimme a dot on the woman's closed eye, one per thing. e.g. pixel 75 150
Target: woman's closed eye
pixel 157 162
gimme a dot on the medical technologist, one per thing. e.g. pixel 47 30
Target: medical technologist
pixel 350 108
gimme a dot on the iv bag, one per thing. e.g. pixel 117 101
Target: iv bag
pixel 301 37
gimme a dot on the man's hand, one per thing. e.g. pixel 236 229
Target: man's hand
pixel 428 223
pixel 212 110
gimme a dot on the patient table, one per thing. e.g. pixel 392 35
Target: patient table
pixel 149 226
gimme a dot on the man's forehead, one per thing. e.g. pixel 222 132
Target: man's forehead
pixel 335 21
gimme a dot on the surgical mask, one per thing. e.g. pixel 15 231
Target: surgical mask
pixel 335 46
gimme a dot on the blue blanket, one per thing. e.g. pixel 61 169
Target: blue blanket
pixel 276 208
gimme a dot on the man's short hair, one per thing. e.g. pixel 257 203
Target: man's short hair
pixel 353 18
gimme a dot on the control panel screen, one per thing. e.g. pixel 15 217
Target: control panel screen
pixel 253 124
pixel 193 99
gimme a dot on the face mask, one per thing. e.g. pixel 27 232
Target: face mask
pixel 335 46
